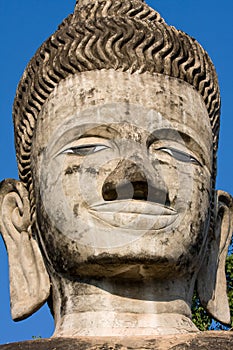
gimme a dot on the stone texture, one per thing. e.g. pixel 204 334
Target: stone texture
pixel 115 216
pixel 205 340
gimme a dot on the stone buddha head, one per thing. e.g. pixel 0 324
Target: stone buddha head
pixel 116 131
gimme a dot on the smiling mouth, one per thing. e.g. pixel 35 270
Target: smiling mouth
pixel 134 214
pixel 131 206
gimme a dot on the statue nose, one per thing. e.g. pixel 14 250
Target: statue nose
pixel 129 181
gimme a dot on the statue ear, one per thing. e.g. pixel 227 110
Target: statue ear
pixel 29 280
pixel 211 281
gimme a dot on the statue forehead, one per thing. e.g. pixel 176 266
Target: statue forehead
pixel 111 84
pixel 106 96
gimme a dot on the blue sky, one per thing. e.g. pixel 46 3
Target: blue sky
pixel 26 24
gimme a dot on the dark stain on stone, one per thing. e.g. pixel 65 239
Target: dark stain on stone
pixel 91 92
pixel 41 150
pixel 72 170
pixel 86 94
pixel 92 171
pixel 75 209
pixel 82 96
pixel 202 188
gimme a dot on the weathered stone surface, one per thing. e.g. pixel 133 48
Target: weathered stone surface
pixel 115 216
pixel 205 340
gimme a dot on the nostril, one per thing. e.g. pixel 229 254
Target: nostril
pixel 109 192
pixel 112 191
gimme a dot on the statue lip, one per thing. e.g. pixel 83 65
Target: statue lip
pixel 136 215
pixel 131 206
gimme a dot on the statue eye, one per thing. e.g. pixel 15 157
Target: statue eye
pixel 85 150
pixel 179 155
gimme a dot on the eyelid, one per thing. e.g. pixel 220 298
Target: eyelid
pixel 96 148
pixel 178 154
pixel 85 142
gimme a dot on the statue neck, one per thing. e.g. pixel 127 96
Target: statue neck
pixel 121 308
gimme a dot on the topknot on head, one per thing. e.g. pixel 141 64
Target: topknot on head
pixel 93 9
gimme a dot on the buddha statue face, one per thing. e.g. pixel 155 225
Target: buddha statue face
pixel 122 177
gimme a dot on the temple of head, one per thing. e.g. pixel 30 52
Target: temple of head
pixel 115 217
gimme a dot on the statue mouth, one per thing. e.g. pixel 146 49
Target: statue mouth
pixel 132 206
pixel 134 214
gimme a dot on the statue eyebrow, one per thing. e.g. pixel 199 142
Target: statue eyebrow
pixel 161 134
pixel 104 131
pixel 170 134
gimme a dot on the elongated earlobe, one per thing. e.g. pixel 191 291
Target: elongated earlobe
pixel 211 282
pixel 29 280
